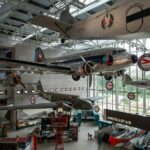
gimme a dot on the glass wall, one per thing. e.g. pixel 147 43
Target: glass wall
pixel 117 99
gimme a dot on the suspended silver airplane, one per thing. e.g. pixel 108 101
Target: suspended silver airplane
pixel 128 19
pixel 142 83
pixel 107 61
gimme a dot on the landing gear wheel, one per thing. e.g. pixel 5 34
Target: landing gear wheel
pixel 75 77
pixel 62 41
pixel 108 77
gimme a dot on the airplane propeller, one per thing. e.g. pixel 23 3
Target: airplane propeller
pixel 90 80
pixel 91 68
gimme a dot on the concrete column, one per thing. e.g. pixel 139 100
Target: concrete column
pixel 13 119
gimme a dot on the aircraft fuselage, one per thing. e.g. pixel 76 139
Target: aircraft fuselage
pixel 125 20
pixel 106 59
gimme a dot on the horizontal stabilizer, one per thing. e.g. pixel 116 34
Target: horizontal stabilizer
pixel 50 23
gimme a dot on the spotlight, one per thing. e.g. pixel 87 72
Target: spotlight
pixel 32 91
pixel 45 90
pixel 1 92
pixel 18 92
pixel 25 91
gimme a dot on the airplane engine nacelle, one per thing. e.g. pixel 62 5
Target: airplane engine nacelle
pixel 87 68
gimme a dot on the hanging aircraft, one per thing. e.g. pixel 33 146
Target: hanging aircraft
pixel 142 83
pixel 17 79
pixel 57 100
pixel 104 61
pixel 125 20
pixel 10 78
pixel 108 62
pixel 73 100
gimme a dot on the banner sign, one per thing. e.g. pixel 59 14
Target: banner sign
pixel 138 121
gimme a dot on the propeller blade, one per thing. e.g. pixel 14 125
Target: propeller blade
pixel 90 80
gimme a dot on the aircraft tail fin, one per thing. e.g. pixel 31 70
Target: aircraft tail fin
pixel 125 79
pixel 39 56
pixel 67 17
pixel 39 87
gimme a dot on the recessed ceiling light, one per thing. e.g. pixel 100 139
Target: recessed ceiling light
pixel 18 92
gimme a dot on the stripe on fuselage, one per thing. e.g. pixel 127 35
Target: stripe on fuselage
pixel 99 58
pixel 138 15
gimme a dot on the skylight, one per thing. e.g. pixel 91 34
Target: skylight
pixel 72 9
pixel 86 2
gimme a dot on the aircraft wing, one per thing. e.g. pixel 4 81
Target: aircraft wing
pixel 78 104
pixel 30 106
pixel 40 66
pixel 56 25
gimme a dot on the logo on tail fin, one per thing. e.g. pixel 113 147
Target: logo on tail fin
pixel 39 56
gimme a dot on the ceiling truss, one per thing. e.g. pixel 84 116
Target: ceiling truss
pixel 15 18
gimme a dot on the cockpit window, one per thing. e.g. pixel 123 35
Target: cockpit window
pixel 118 51
pixel 121 51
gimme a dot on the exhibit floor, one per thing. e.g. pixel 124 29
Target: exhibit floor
pixel 82 143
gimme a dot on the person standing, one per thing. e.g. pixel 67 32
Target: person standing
pixel 35 140
pixel 91 138
pixel 4 131
pixel 88 136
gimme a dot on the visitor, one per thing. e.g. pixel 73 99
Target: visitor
pixel 4 131
pixel 88 136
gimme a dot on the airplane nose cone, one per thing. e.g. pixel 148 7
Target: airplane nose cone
pixel 134 59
